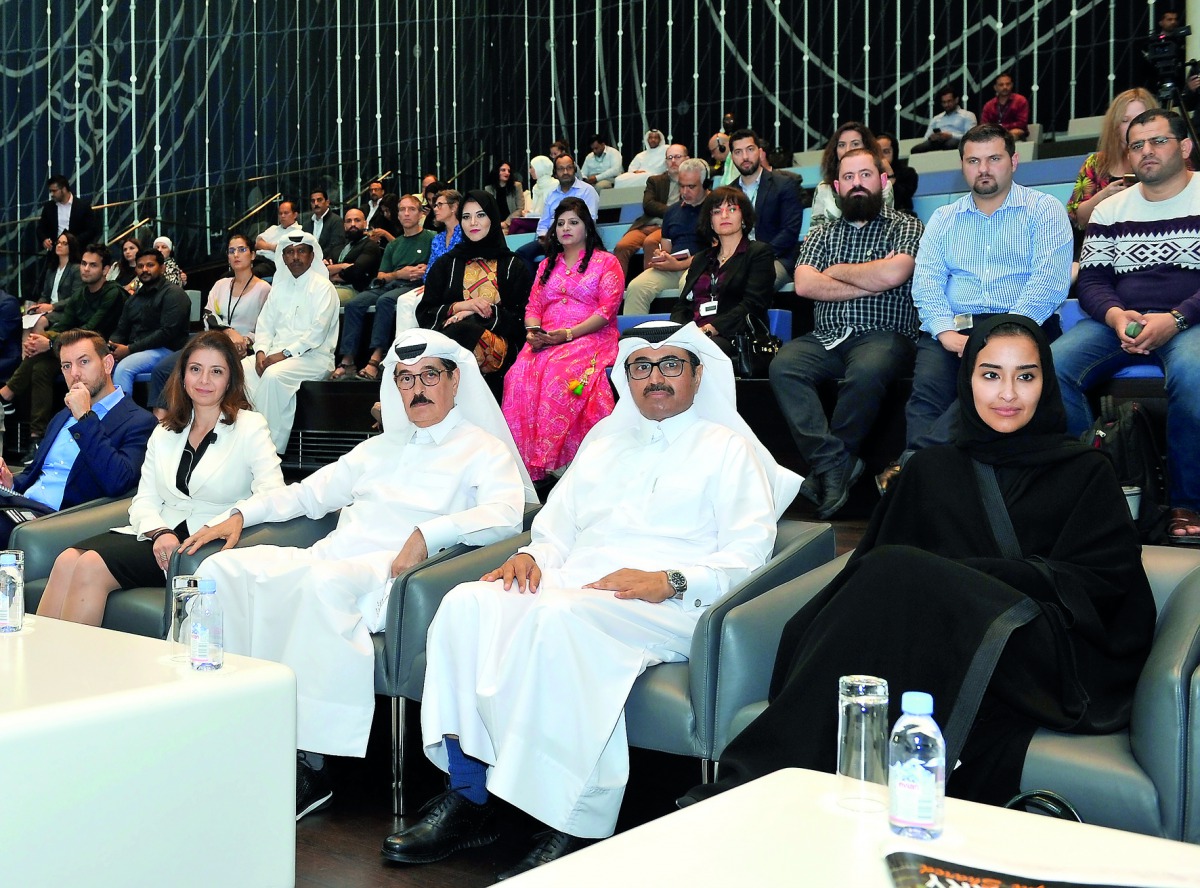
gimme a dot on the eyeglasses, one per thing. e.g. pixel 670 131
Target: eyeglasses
pixel 233 251
pixel 676 157
pixel 429 378
pixel 1156 142
pixel 441 203
pixel 670 367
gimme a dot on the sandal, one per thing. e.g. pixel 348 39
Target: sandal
pixel 342 371
pixel 373 367
pixel 1181 519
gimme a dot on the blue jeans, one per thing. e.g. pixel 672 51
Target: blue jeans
pixel 928 416
pixel 532 254
pixel 1090 353
pixel 352 320
pixel 139 362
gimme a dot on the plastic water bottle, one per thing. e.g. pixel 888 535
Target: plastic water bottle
pixel 12 593
pixel 916 770
pixel 206 649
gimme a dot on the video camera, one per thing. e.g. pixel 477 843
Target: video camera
pixel 1164 52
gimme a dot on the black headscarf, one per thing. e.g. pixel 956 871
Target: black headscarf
pixel 493 245
pixel 1044 438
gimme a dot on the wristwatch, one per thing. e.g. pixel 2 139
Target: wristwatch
pixel 678 582
pixel 1181 323
pixel 287 352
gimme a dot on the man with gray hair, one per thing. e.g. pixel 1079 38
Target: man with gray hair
pixel 662 190
pixel 678 243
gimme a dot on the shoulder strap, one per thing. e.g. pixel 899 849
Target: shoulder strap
pixel 997 512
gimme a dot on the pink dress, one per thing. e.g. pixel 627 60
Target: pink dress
pixel 548 420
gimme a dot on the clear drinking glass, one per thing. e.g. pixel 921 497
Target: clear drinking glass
pixel 862 742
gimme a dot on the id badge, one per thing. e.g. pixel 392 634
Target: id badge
pixel 963 322
pixel 708 309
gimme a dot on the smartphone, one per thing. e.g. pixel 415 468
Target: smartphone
pixel 534 330
pixel 1130 179
pixel 680 254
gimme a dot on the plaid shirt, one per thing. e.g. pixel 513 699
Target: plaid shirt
pixel 838 242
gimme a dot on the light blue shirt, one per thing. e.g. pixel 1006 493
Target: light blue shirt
pixel 580 189
pixel 1016 260
pixel 52 482
pixel 955 122
pixel 606 167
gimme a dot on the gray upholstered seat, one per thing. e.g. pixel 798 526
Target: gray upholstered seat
pixel 1138 779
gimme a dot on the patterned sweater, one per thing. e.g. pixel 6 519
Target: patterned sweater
pixel 1143 255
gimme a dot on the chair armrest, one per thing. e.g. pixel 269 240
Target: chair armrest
pixel 1191 827
pixel 750 637
pixel 800 547
pixel 43 539
pixel 1158 729
pixel 411 611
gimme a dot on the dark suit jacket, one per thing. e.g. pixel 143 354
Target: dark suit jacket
pixel 333 235
pixel 779 216
pixel 364 257
pixel 83 223
pixel 111 451
pixel 748 287
pixel 654 199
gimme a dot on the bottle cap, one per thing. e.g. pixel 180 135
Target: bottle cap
pixel 916 703
pixel 210 586
pixel 8 560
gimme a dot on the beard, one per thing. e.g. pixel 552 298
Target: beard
pixel 861 205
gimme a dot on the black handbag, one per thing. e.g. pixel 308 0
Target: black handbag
pixel 753 349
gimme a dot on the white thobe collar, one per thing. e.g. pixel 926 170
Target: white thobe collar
pixel 436 433
pixel 671 428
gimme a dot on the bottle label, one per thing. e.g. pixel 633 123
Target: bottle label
pixel 912 791
pixel 199 646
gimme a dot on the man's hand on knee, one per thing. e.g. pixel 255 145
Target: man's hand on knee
pixel 648 585
pixel 413 553
pixel 522 569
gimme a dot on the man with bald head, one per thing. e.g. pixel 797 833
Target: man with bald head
pixel 670 503
pixel 357 261
pixel 662 190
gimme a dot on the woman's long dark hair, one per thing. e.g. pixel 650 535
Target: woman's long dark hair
pixel 179 405
pixel 591 242
pixel 829 160
pixel 505 191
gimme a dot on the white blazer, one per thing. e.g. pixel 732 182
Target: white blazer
pixel 242 461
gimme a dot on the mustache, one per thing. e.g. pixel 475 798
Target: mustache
pixel 419 399
pixel 858 189
pixel 659 387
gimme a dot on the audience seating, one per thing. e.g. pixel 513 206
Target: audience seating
pixel 670 708
pixel 778 320
pixel 1141 779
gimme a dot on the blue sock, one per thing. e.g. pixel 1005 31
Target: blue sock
pixel 467 775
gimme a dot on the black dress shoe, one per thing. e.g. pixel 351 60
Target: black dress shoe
pixel 551 845
pixel 837 483
pixel 314 791
pixel 449 822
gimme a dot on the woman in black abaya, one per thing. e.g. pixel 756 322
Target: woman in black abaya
pixel 1049 629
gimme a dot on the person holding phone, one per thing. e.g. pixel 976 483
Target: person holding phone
pixel 732 278
pixel 557 389
pixel 948 127
pixel 1106 171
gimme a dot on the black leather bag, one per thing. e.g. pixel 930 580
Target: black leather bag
pixel 753 349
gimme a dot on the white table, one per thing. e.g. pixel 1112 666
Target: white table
pixel 122 767
pixel 788 829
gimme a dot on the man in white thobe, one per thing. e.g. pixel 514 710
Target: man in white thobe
pixel 295 335
pixel 669 504
pixel 445 471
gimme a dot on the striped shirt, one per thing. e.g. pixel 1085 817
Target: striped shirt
pixel 839 242
pixel 1016 260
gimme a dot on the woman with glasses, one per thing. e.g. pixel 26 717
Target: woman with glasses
pixel 557 389
pixel 449 234
pixel 849 135
pixel 210 452
pixel 233 307
pixel 732 278
pixel 476 293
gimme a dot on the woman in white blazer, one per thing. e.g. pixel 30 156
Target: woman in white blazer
pixel 210 451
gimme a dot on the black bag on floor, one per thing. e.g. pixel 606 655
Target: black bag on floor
pixel 753 349
pixel 1125 433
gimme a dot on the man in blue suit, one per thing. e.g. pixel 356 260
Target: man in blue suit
pixel 776 200
pixel 93 447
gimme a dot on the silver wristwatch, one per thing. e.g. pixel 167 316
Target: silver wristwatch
pixel 678 582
